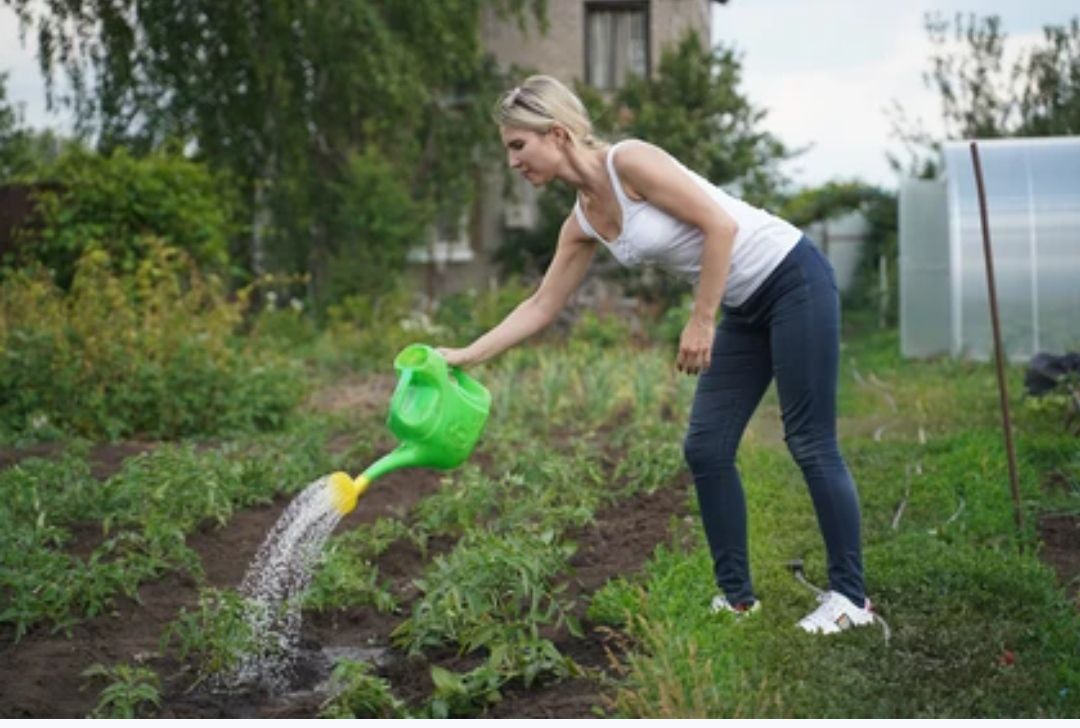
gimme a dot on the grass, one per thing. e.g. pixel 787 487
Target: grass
pixel 979 627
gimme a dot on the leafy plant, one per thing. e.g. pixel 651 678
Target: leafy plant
pixel 215 636
pixel 131 690
pixel 463 694
pixel 491 590
pixel 125 206
pixel 356 693
pixel 152 352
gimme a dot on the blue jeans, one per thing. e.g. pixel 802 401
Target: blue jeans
pixel 788 328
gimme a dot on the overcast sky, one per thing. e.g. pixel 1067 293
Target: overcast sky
pixel 826 70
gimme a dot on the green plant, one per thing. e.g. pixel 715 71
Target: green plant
pixel 152 352
pixel 124 206
pixel 129 692
pixel 616 603
pixel 216 636
pixel 346 575
pixel 356 693
pixel 463 694
pixel 491 589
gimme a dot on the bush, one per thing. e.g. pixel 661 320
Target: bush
pixel 150 354
pixel 122 205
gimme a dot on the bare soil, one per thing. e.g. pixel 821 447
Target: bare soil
pixel 1060 535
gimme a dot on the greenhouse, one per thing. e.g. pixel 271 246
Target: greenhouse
pixel 1033 202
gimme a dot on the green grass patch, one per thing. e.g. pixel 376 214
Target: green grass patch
pixel 979 626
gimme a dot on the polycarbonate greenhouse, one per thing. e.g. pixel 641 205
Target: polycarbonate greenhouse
pixel 1033 201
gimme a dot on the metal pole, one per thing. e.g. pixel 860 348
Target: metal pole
pixel 999 353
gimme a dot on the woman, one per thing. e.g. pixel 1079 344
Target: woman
pixel 781 318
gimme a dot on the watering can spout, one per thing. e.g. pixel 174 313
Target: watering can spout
pixel 437 413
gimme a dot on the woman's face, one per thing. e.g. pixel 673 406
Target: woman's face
pixel 534 155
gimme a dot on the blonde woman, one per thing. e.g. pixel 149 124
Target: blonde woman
pixel 781 319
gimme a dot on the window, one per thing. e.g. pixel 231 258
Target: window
pixel 448 242
pixel 616 42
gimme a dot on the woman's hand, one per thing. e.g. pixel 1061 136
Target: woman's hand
pixel 455 357
pixel 695 346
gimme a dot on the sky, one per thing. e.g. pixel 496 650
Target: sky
pixel 826 71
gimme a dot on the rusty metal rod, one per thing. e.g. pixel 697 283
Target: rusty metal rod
pixel 999 352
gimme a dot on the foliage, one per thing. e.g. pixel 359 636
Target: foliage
pixel 462 695
pixel 982 96
pixel 129 689
pixel 151 353
pixel 16 156
pixel 495 590
pixel 880 210
pixel 281 94
pixel 347 575
pixel 469 314
pixel 371 220
pixel 126 207
pixel 356 693
pixel 695 110
pixel 144 513
pixel 215 636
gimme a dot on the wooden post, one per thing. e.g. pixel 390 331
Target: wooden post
pixel 999 353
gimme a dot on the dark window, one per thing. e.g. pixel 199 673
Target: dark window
pixel 616 42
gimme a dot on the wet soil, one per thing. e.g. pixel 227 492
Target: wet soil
pixel 40 676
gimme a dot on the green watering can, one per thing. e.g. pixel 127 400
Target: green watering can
pixel 437 413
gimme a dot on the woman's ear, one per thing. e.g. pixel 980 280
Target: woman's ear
pixel 562 136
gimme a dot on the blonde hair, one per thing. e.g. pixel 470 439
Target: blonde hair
pixel 539 103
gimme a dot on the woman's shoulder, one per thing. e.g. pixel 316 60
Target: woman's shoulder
pixel 635 152
pixel 638 159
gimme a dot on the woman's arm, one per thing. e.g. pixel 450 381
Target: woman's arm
pixel 653 174
pixel 572 256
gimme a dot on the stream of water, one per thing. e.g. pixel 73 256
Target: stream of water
pixel 274 586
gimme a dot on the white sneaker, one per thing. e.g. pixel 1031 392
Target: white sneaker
pixel 720 605
pixel 835 614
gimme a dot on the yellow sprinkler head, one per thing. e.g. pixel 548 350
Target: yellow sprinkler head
pixel 344 491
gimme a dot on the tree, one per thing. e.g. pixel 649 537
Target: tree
pixel 982 96
pixel 284 94
pixel 695 109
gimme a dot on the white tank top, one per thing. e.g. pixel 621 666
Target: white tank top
pixel 650 236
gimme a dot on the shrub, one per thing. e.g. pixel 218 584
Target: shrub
pixel 151 353
pixel 122 205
